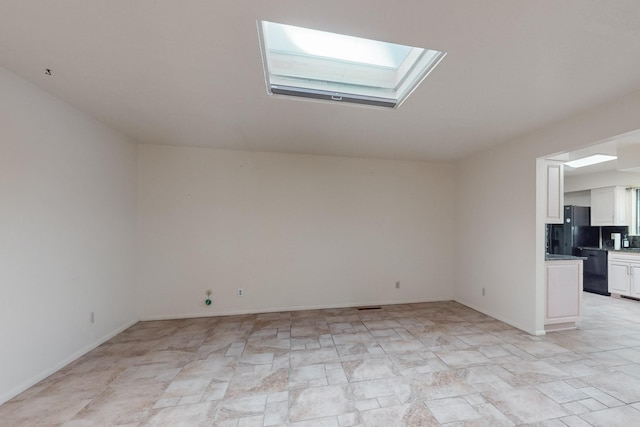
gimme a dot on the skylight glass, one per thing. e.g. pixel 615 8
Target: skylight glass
pixel 318 64
pixel 590 160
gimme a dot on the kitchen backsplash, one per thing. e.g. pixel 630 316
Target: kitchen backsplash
pixel 634 241
pixel 607 241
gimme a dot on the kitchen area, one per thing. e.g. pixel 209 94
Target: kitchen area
pixel 592 238
pixel 576 236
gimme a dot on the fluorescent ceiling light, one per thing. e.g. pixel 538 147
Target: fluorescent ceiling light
pixel 590 160
pixel 321 65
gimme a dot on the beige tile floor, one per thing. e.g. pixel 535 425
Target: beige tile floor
pixel 414 365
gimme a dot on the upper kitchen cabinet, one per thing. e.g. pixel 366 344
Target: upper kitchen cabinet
pixel 610 206
pixel 554 176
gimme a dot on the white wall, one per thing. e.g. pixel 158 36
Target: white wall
pixel 495 244
pixel 67 233
pixel 601 179
pixel 294 231
pixel 577 198
pixel 500 240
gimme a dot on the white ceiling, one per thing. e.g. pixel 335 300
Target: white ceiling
pixel 189 72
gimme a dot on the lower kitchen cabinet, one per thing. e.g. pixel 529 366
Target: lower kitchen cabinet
pixel 624 274
pixel 564 294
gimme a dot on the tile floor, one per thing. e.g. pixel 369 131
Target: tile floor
pixel 414 365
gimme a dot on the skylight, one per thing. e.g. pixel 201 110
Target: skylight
pixel 590 160
pixel 317 64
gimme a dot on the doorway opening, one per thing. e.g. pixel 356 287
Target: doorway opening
pixel 597 216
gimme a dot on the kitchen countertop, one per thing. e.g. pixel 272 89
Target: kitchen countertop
pixel 558 257
pixel 632 250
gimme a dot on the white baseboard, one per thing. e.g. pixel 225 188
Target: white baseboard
pixel 501 318
pixel 283 309
pixel 44 374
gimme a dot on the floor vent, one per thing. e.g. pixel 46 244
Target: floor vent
pixel 369 308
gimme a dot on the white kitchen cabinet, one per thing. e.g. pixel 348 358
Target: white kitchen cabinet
pixel 554 180
pixel 624 273
pixel 564 294
pixel 610 206
pixel 634 271
pixel 619 282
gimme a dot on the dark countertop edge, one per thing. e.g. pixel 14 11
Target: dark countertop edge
pixel 558 257
pixel 627 250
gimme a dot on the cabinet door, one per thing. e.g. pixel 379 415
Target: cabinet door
pixel 609 206
pixel 555 192
pixel 603 202
pixel 564 292
pixel 619 277
pixel 622 197
pixel 634 269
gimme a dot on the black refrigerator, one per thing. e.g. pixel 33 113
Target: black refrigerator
pixel 577 237
pixel 576 232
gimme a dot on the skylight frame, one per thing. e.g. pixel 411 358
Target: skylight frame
pixel 409 73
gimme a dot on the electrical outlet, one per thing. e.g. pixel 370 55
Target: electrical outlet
pixel 397 285
pixel 92 317
pixel 483 292
pixel 240 292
